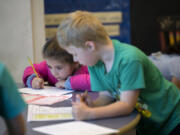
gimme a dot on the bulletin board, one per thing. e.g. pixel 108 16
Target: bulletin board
pixel 114 14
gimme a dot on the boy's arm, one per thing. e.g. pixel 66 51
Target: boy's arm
pixel 104 98
pixel 16 126
pixel 176 82
pixel 175 71
pixel 125 106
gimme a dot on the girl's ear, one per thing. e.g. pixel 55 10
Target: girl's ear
pixel 90 45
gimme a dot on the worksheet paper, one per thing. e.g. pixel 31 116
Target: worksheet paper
pixel 44 100
pixel 44 113
pixel 75 128
pixel 47 91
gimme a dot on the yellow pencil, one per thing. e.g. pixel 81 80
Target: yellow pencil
pixel 33 67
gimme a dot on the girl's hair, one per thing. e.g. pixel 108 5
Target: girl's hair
pixel 52 50
pixel 79 27
pixel 175 49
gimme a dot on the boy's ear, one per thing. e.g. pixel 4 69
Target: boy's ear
pixel 90 45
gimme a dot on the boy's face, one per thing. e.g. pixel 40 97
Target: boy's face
pixel 84 56
pixel 61 71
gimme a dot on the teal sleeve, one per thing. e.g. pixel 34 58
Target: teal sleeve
pixel 132 76
pixel 11 102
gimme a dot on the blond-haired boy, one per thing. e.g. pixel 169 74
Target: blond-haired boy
pixel 124 71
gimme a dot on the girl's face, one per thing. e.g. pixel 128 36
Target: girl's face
pixel 61 71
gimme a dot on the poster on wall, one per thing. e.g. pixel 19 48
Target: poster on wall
pixel 114 14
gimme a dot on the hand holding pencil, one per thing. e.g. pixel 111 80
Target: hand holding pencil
pixel 83 96
pixel 37 82
pixel 81 109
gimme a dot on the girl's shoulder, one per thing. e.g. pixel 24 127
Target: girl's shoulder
pixel 42 64
pixel 42 67
pixel 82 70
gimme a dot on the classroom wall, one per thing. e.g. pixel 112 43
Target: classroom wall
pixel 144 24
pixel 15 35
pixel 20 19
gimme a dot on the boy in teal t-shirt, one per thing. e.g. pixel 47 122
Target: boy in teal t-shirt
pixel 136 72
pixel 11 103
pixel 124 71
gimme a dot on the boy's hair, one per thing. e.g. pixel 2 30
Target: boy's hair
pixel 52 50
pixel 79 27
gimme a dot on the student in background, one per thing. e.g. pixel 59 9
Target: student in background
pixel 168 62
pixel 58 70
pixel 124 71
pixel 11 103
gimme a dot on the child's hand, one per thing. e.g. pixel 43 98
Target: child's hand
pixel 37 83
pixel 60 84
pixel 84 97
pixel 80 110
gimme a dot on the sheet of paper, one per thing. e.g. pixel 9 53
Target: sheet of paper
pixel 44 113
pixel 75 128
pixel 47 91
pixel 44 100
pixel 30 98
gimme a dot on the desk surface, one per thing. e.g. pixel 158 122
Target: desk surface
pixel 122 123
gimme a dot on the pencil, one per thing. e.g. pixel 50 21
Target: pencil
pixel 33 67
pixel 84 96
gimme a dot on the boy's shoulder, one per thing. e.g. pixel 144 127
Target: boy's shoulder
pixel 127 51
